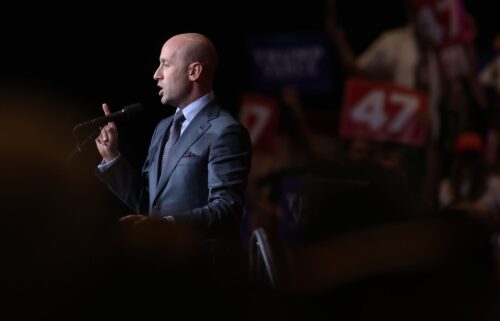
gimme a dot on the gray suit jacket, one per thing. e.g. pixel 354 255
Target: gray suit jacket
pixel 203 183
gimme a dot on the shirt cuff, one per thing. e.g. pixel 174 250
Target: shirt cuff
pixel 104 166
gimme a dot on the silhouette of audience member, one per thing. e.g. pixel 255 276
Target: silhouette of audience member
pixel 469 187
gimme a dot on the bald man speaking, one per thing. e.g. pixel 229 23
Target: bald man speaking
pixel 198 161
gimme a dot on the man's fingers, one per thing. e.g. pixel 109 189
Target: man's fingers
pixel 107 111
pixel 104 135
pixel 108 132
pixel 105 108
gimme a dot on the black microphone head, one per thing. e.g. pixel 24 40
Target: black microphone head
pixel 132 110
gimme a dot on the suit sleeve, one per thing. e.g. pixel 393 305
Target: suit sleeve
pixel 228 167
pixel 127 183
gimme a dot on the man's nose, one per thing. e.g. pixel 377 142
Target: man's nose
pixel 157 73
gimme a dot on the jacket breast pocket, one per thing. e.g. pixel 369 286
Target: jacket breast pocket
pixel 189 160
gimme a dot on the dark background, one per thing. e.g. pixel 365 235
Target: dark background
pixel 109 54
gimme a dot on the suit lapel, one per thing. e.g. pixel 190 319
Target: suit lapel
pixel 155 169
pixel 199 125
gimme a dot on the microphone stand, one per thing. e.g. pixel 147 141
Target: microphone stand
pixel 94 133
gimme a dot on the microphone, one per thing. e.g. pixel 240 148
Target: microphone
pixel 125 113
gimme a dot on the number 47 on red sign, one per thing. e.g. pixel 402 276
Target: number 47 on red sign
pixel 383 112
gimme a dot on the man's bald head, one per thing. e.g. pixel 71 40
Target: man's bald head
pixel 195 47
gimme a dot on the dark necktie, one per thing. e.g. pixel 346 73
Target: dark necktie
pixel 175 131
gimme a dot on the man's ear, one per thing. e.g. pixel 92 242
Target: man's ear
pixel 195 69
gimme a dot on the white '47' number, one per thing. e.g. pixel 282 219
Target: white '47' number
pixel 371 110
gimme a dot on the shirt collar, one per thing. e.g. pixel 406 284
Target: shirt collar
pixel 191 110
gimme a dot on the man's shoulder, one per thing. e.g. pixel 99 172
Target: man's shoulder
pixel 226 119
pixel 226 116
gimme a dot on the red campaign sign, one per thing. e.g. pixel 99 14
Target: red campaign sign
pixel 384 112
pixel 442 22
pixel 259 114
